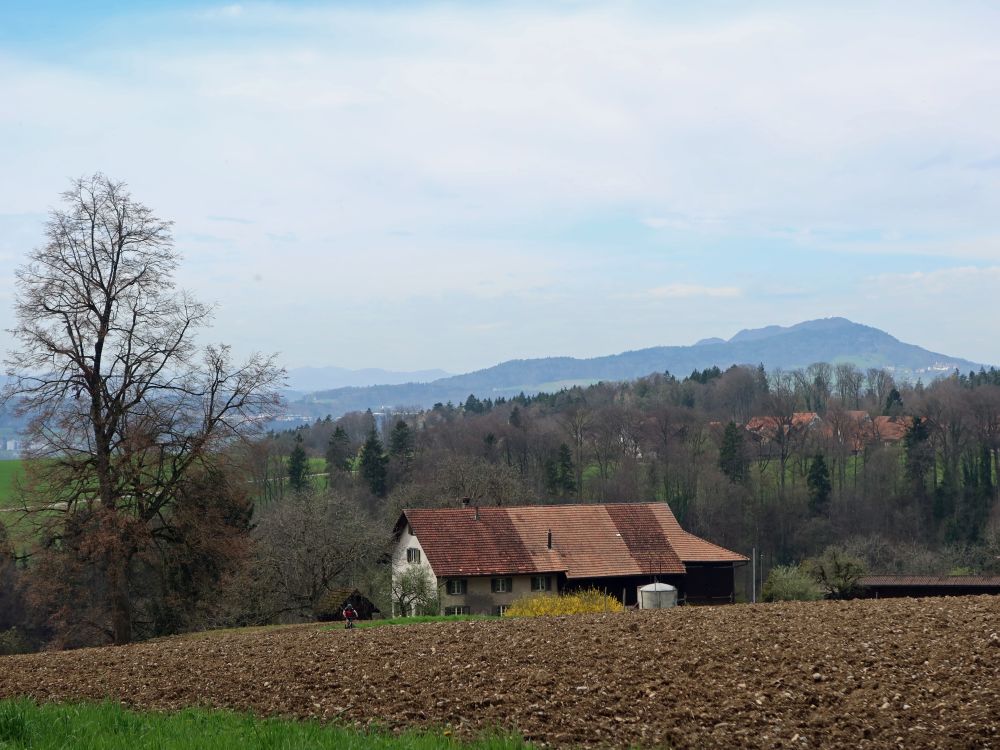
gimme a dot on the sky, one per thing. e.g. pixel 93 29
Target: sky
pixel 417 185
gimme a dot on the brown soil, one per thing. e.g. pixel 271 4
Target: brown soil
pixel 913 673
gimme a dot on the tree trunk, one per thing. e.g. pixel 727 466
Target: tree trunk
pixel 119 599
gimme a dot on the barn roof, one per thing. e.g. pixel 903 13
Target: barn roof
pixel 955 581
pixel 588 541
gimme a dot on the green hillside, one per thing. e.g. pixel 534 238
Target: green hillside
pixel 9 471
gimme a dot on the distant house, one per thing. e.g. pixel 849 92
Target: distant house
pixel 853 428
pixel 891 429
pixel 484 558
pixel 770 428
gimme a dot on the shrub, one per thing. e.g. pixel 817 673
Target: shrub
pixel 13 641
pixel 790 583
pixel 838 573
pixel 573 603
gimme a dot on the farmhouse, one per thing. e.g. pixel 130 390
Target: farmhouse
pixel 484 558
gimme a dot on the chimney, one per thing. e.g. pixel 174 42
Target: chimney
pixel 466 501
pixel 550 539
pixel 477 512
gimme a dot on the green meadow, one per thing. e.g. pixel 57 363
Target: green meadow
pixel 108 726
pixel 9 471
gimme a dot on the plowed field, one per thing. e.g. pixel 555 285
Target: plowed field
pixel 913 673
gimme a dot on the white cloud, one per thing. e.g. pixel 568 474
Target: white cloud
pixel 684 291
pixel 415 152
pixel 961 281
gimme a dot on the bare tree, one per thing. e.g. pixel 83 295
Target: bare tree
pixel 878 384
pixel 849 381
pixel 575 423
pixel 122 405
pixel 306 547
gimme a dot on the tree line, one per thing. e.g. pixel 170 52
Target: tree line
pixel 904 475
pixel 152 504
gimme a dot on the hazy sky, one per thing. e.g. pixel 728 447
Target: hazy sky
pixel 410 185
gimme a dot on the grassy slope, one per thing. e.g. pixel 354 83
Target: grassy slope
pixel 108 726
pixel 9 470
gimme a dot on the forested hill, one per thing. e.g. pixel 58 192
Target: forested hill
pixel 826 340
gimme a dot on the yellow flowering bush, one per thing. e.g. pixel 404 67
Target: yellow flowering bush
pixel 574 603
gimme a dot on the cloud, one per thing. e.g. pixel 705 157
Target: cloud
pixel 700 122
pixel 420 153
pixel 685 291
pixel 229 219
pixel 958 281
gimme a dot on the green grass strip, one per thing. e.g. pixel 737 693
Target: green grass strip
pixel 414 620
pixel 10 471
pixel 107 726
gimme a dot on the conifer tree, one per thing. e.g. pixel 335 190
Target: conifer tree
pixel 338 451
pixel 732 459
pixel 566 472
pixel 401 442
pixel 298 466
pixel 818 482
pixel 893 403
pixel 372 463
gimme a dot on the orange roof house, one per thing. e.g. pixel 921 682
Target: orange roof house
pixel 852 428
pixel 474 551
pixel 891 429
pixel 768 428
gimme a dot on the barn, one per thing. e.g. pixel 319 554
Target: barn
pixel 484 558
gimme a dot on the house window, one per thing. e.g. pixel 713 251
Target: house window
pixel 500 609
pixel 456 586
pixel 541 583
pixel 457 610
pixel 412 555
pixel 501 585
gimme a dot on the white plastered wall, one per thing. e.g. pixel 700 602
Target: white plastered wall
pixel 399 564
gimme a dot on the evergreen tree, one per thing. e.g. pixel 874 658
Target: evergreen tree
pixel 565 471
pixel 818 482
pixel 760 379
pixel 560 474
pixel 298 466
pixel 373 465
pixel 551 476
pixel 401 443
pixel 473 405
pixel 919 456
pixel 401 447
pixel 893 403
pixel 732 458
pixel 338 451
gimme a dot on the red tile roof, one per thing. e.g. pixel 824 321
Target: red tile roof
pixel 769 427
pixel 892 429
pixel 588 541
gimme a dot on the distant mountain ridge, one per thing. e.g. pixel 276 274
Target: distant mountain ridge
pixel 831 340
pixel 324 378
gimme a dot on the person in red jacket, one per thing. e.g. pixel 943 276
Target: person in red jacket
pixel 350 615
